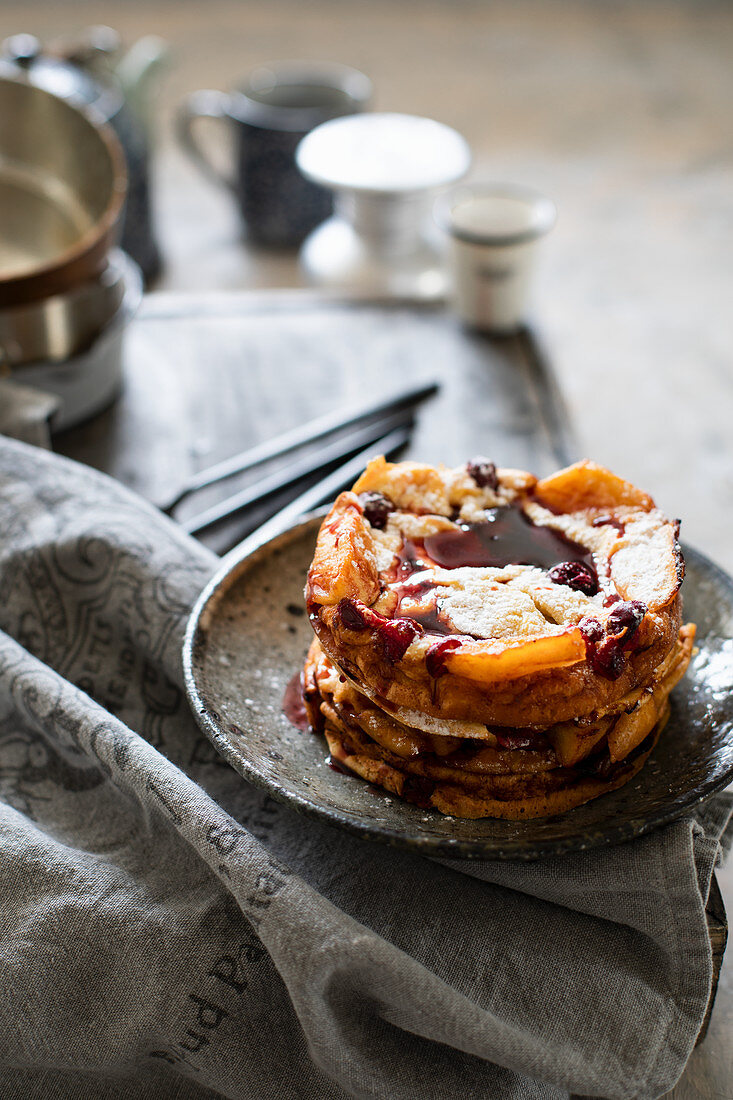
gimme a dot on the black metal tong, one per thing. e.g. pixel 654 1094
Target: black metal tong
pixel 354 434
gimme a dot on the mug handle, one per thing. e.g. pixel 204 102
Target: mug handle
pixel 204 104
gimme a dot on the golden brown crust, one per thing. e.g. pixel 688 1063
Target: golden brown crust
pixel 343 563
pixel 511 797
pixel 587 486
pixel 509 774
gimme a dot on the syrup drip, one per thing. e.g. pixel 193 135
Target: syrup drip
pixel 293 706
pixel 436 655
pixel 396 635
pixel 431 621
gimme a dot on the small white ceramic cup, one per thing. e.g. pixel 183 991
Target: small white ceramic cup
pixel 494 230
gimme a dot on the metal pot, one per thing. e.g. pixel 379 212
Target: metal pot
pixel 92 71
pixel 62 190
pixel 89 381
pixel 63 325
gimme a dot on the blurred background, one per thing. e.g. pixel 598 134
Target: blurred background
pixel 620 112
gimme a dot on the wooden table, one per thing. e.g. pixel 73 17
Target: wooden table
pixel 622 114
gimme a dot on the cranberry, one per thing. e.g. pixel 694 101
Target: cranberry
pixel 483 473
pixel 608 659
pixel 625 618
pixel 591 630
pixel 436 655
pixel 607 645
pixel 576 575
pixel 351 616
pixel 377 508
pixel 396 636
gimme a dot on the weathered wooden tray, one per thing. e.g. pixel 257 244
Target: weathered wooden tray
pixel 206 378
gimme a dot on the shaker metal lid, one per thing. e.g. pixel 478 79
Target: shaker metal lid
pixel 383 154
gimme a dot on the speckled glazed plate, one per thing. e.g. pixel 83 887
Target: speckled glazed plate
pixel 247 638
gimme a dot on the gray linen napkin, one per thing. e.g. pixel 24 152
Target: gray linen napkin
pixel 168 931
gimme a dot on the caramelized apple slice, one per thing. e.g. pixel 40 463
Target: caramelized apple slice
pixel 572 744
pixel 629 730
pixel 374 771
pixel 344 563
pixel 486 662
pixel 585 485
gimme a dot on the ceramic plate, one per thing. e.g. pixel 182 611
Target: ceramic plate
pixel 247 638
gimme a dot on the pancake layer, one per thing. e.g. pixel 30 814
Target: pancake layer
pixel 503 773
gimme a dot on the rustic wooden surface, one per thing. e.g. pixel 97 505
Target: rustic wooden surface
pixel 622 113
pixel 237 369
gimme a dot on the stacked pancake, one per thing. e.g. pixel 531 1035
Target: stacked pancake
pixel 491 645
